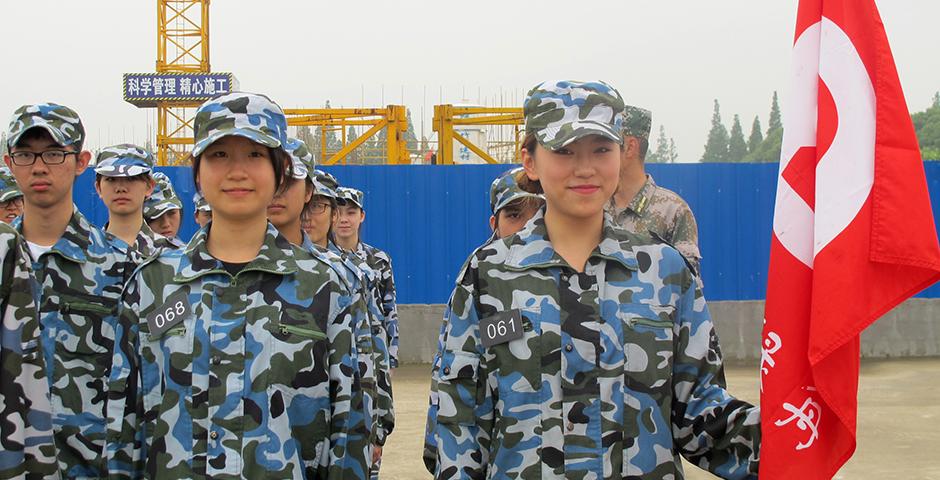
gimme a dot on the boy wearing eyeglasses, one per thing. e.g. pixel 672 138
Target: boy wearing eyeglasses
pixel 11 198
pixel 77 280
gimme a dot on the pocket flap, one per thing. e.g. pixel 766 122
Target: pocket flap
pixel 456 365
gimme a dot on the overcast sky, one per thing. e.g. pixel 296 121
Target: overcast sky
pixel 673 57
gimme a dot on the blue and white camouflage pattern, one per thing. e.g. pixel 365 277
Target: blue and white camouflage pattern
pixel 9 189
pixel 163 199
pixel 25 410
pixel 77 286
pixel 351 195
pixel 200 203
pixel 62 123
pixel 250 115
pixel 256 381
pixel 325 184
pixel 124 160
pixel 617 373
pixel 301 159
pixel 560 112
pixel 504 190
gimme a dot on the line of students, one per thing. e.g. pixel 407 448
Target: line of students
pixel 570 348
pixel 251 351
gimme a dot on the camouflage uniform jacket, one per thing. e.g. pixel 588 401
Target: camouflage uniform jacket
pixel 251 376
pixel 616 373
pixel 381 264
pixel 367 281
pixel 663 212
pixel 77 287
pixel 25 412
pixel 147 244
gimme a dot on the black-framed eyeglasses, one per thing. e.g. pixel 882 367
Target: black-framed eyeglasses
pixel 318 207
pixel 15 202
pixel 49 157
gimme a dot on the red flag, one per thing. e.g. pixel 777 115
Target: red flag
pixel 853 234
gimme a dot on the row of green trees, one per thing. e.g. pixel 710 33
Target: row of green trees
pixel 723 146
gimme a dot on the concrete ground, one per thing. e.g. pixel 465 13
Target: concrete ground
pixel 898 421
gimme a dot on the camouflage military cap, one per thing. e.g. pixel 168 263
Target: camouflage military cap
pixel 250 115
pixel 8 187
pixel 163 199
pixel 124 160
pixel 505 189
pixel 350 195
pixel 637 122
pixel 200 202
pixel 300 157
pixel 560 112
pixel 60 121
pixel 325 184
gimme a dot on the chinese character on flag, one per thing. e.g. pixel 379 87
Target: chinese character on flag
pixel 853 234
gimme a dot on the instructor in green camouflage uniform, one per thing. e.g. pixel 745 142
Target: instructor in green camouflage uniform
pixel 640 205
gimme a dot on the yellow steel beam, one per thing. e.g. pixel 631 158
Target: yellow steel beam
pixel 491 120
pixel 473 148
pixel 355 144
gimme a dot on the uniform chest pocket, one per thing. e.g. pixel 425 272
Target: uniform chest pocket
pixel 518 363
pixel 298 351
pixel 649 347
pixel 458 391
pixel 84 332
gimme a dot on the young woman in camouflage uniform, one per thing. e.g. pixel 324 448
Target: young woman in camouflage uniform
pixel 304 190
pixel 575 349
pixel 239 349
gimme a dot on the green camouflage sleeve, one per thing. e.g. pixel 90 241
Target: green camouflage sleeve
pixel 685 236
pixel 25 410
pixel 712 429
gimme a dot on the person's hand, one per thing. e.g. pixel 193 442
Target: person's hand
pixel 376 454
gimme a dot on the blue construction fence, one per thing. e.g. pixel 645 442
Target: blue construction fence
pixel 429 219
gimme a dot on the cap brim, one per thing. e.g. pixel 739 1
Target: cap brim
pixel 514 197
pixel 131 171
pixel 56 134
pixel 10 195
pixel 554 137
pixel 250 134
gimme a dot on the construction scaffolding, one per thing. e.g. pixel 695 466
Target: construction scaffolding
pixel 393 118
pixel 182 47
pixel 447 117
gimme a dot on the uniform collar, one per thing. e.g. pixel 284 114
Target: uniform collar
pixel 641 199
pixel 531 248
pixel 276 256
pixel 75 240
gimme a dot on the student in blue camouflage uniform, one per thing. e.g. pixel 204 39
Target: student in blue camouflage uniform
pixel 575 349
pixel 511 208
pixel 28 450
pixel 202 212
pixel 242 345
pixel 11 197
pixel 163 209
pixel 78 278
pixel 123 181
pixel 285 212
pixel 346 233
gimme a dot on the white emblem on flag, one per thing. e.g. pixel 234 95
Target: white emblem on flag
pixel 770 346
pixel 807 419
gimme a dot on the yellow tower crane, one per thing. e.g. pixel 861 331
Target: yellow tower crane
pixel 182 47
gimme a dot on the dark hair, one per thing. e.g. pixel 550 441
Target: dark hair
pixel 36 133
pixel 521 204
pixel 532 186
pixel 280 161
pixel 644 147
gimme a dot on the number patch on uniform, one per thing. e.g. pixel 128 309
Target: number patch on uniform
pixel 501 328
pixel 173 311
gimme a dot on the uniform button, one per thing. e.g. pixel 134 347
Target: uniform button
pixel 569 347
pixel 564 276
pixel 214 435
pixel 446 370
pixel 570 427
pixel 216 359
